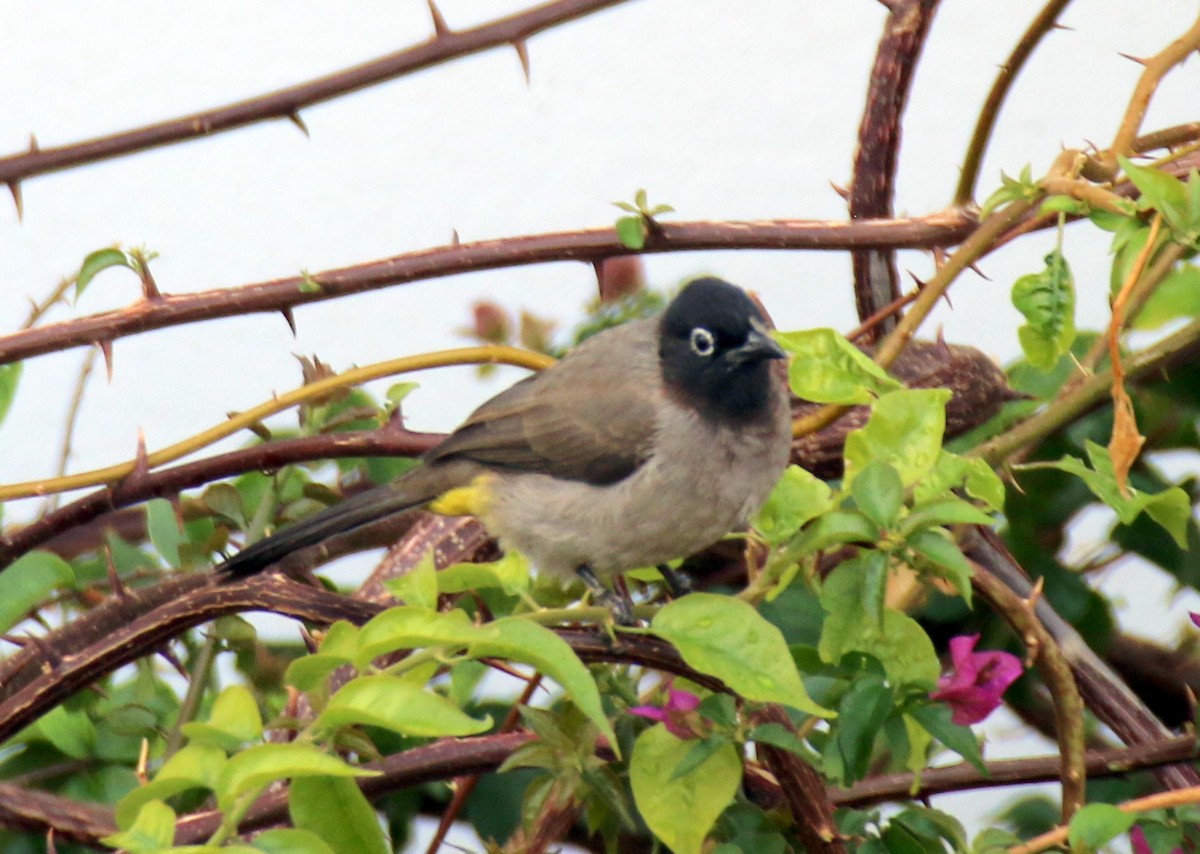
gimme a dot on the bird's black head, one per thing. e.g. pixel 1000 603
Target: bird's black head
pixel 715 350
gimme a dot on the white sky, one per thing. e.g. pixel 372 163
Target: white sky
pixel 724 110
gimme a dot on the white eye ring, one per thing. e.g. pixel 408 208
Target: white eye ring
pixel 702 341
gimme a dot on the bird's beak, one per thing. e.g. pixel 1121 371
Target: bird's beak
pixel 759 346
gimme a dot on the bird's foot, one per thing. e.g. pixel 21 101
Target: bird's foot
pixel 679 583
pixel 620 606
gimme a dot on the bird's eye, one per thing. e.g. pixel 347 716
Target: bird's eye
pixel 702 342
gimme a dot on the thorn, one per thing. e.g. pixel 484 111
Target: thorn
pixel 51 845
pixel 141 461
pixel 107 350
pixel 918 282
pixel 294 118
pixel 974 268
pixel 14 187
pixel 1036 593
pixel 34 148
pixel 1057 26
pixel 1139 60
pixel 440 27
pixel 174 661
pixel 842 191
pixel 114 578
pixel 454 241
pixel 598 269
pixel 14 640
pixel 523 55
pixel 310 642
pixel 149 286
pixel 890 5
pixel 286 311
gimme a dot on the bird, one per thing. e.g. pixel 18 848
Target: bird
pixel 647 442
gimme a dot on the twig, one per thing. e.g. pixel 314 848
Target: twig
pixel 1155 68
pixel 876 281
pixel 287 103
pixel 384 441
pixel 1158 801
pixel 945 228
pixel 489 354
pixel 1084 396
pixel 1013 772
pixel 1056 674
pixel 64 454
pixel 973 160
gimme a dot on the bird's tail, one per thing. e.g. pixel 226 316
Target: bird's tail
pixel 416 488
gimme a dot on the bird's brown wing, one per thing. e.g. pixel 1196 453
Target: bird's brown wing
pixel 590 418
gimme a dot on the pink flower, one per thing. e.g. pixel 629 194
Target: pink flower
pixel 672 714
pixel 1137 839
pixel 1195 615
pixel 974 688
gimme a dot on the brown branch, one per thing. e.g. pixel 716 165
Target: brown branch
pixel 384 441
pixel 589 245
pixel 1012 772
pixel 1055 671
pixel 286 103
pixel 1042 24
pixel 803 790
pixel 876 280
pixel 1104 693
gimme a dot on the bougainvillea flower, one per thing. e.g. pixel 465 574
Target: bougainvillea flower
pixel 974 687
pixel 673 713
pixel 1195 615
pixel 1137 841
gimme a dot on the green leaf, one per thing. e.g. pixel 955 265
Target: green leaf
pixel 311 671
pixel 905 430
pixel 1011 190
pixel 777 735
pixel 225 500
pixel 397 705
pixel 952 472
pixel 164 528
pixel 849 598
pixel 950 510
pixel 265 763
pixel 698 755
pixel 861 715
pixel 826 368
pixel 1170 508
pixel 152 830
pixel 935 719
pixel 10 377
pixel 631 231
pixel 728 639
pixel 521 640
pixel 1177 295
pixel 836 528
pixel 192 767
pixel 28 582
pixel 418 587
pixel 289 840
pixel 511 573
pixel 235 720
pixel 335 810
pixel 71 732
pixel 1047 299
pixel 1099 824
pixel 939 554
pixel 407 627
pixel 1161 192
pixel 681 811
pixel 99 260
pixel 878 492
pixel 797 498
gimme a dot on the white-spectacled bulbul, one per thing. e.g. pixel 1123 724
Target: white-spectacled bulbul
pixel 648 442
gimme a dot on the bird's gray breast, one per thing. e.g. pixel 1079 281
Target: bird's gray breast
pixel 703 479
